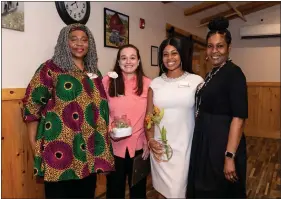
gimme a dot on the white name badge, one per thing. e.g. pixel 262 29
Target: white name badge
pixel 183 85
pixel 92 75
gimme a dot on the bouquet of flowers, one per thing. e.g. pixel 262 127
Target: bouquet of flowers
pixel 155 119
pixel 121 127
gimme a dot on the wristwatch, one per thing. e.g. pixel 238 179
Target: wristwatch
pixel 229 154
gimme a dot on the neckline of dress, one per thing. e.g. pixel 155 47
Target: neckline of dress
pixel 168 79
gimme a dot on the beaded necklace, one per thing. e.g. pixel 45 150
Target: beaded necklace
pixel 203 85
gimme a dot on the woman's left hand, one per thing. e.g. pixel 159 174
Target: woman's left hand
pixel 229 170
pixel 146 152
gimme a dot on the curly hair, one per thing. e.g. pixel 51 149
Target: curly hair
pixel 62 56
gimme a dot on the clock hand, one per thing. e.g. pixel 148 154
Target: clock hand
pixel 73 3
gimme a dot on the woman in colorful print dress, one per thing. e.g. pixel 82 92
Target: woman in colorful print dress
pixel 66 111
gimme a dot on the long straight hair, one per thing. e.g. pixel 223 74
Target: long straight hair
pixel 185 49
pixel 120 86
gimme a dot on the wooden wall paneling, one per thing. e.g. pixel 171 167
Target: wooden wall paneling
pixel 18 180
pixel 264 110
pixel 253 103
pixel 17 159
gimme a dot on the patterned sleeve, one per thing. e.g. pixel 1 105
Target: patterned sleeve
pixel 99 74
pixel 104 160
pixel 38 92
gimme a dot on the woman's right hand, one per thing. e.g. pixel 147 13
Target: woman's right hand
pixel 156 149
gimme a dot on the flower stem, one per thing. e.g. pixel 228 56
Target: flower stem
pixel 115 87
pixel 165 141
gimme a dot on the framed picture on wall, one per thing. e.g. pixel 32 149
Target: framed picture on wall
pixel 116 28
pixel 12 13
pixel 154 56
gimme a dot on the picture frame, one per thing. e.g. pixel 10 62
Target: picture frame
pixel 154 56
pixel 116 29
pixel 12 13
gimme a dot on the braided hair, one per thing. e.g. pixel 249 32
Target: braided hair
pixel 62 56
pixel 219 25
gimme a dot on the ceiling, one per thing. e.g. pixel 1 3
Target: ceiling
pixel 205 11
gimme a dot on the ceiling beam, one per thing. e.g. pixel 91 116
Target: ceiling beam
pixel 166 2
pixel 237 11
pixel 201 7
pixel 185 33
pixel 245 9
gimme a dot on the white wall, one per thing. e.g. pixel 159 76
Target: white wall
pixel 258 58
pixel 23 52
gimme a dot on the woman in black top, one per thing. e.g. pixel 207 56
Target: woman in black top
pixel 218 155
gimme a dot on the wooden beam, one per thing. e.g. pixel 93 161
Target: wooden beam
pixel 185 33
pixel 245 9
pixel 237 11
pixel 200 7
pixel 166 2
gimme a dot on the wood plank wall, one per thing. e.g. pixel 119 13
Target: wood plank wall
pixel 264 109
pixel 17 160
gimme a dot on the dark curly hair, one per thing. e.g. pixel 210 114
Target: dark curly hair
pixel 219 25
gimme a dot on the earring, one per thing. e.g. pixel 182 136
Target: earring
pixel 161 66
pixel 206 58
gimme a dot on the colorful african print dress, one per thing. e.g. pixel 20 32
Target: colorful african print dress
pixel 72 110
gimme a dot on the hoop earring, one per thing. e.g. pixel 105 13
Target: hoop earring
pixel 161 67
pixel 206 58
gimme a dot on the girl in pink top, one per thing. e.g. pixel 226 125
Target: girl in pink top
pixel 130 99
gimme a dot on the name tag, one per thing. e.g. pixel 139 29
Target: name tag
pixel 92 75
pixel 183 85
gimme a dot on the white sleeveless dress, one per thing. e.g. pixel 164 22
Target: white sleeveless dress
pixel 177 98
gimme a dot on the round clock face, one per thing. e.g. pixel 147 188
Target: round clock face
pixel 73 11
pixel 76 9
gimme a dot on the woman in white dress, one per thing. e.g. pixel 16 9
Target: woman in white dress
pixel 173 91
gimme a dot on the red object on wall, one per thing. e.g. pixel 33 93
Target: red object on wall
pixel 142 23
pixel 116 24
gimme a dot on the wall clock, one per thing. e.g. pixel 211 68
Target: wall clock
pixel 74 11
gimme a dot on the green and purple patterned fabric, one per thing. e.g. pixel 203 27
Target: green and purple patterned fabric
pixel 72 110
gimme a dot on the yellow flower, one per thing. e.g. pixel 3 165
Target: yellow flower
pixel 156 110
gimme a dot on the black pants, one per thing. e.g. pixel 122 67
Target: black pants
pixel 83 188
pixel 116 181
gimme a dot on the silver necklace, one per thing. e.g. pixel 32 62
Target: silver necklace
pixel 203 85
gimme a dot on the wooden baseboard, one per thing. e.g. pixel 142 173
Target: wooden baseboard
pixel 264 84
pixel 263 134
